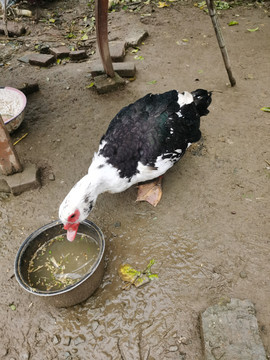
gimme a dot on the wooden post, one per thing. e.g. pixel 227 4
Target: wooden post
pixel 5 17
pixel 222 46
pixel 102 35
pixel 9 160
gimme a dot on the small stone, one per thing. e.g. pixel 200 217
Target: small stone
pixel 243 274
pixel 67 340
pixel 117 224
pixel 183 340
pixel 79 340
pixel 67 355
pixel 51 177
pixel 56 339
pixel 94 325
pixel 173 348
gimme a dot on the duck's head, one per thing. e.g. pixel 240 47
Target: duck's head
pixel 76 206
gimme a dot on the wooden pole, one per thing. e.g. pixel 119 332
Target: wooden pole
pixel 102 35
pixel 5 17
pixel 222 46
pixel 9 160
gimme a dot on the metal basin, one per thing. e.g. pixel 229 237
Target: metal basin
pixel 72 294
pixel 12 107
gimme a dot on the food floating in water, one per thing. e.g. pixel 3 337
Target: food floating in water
pixel 58 263
pixel 134 277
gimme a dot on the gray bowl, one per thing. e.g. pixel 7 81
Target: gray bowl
pixel 70 295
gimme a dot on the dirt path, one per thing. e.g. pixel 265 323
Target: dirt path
pixel 209 235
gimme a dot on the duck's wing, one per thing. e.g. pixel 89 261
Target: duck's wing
pixel 154 125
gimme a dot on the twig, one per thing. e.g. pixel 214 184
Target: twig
pixel 222 46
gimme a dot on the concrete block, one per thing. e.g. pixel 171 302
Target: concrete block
pixel 77 55
pixel 136 37
pixel 4 185
pixel 60 52
pixel 230 332
pixel 25 58
pixel 117 50
pixel 105 84
pixel 125 69
pixel 14 29
pixel 41 59
pixel 20 182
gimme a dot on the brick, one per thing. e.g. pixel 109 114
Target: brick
pixel 41 59
pixel 60 52
pixel 136 37
pixel 230 331
pixel 77 55
pixel 105 84
pixel 117 50
pixel 26 180
pixel 125 69
pixel 14 29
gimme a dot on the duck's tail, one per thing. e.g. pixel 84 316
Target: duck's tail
pixel 202 99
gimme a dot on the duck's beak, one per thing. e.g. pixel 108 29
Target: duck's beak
pixel 72 229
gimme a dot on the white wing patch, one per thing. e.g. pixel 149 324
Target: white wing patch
pixel 185 98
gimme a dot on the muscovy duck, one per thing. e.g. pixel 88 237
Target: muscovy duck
pixel 142 142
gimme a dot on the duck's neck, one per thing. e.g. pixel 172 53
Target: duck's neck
pixel 104 177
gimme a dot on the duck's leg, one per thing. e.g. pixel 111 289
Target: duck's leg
pixel 150 191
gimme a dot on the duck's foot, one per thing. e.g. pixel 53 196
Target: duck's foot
pixel 150 192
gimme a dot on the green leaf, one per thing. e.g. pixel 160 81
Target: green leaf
pixel 52 20
pixel 12 307
pixel 253 30
pixel 84 37
pixel 152 82
pixel 232 23
pixel 137 57
pixel 266 108
pixel 90 85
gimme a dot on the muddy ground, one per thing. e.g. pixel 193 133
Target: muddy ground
pixel 209 235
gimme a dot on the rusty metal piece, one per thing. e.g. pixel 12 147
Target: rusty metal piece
pixel 102 35
pixel 9 160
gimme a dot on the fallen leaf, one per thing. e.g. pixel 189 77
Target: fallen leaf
pixel 152 82
pixel 162 4
pixel 90 85
pixel 128 274
pixel 137 57
pixel 150 192
pixel 232 23
pixel 266 108
pixel 84 37
pixel 12 307
pixel 253 30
